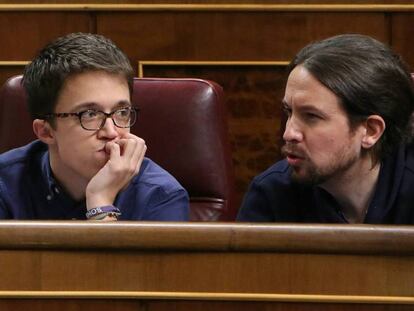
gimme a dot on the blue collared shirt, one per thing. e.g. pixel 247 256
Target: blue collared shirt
pixel 28 190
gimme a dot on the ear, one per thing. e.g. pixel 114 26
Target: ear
pixel 43 131
pixel 374 128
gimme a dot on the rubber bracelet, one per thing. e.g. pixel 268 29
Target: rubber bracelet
pixel 104 215
pixel 93 212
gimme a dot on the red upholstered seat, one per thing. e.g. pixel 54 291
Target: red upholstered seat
pixel 184 124
pixel 16 124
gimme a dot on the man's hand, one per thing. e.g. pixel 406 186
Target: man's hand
pixel 125 159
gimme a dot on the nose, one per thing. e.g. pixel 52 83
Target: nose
pixel 292 132
pixel 108 130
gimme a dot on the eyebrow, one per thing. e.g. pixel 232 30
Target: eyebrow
pixel 95 106
pixel 300 107
pixel 305 108
pixel 312 109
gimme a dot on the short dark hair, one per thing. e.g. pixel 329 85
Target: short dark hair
pixel 71 54
pixel 368 78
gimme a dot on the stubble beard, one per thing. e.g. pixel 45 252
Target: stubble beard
pixel 312 175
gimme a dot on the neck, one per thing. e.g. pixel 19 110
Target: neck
pixel 71 182
pixel 354 189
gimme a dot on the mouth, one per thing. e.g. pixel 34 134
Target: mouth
pixel 103 151
pixel 294 158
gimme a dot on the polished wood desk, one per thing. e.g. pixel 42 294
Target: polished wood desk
pixel 194 266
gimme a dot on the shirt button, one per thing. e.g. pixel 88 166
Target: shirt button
pixel 56 190
pixel 48 197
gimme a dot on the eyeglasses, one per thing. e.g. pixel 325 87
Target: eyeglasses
pixel 94 120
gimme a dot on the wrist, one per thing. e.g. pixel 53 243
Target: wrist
pixel 95 200
pixel 107 213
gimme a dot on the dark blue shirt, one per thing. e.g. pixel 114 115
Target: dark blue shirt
pixel 28 190
pixel 272 197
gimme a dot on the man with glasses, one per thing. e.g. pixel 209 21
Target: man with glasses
pixel 86 164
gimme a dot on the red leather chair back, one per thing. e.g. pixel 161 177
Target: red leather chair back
pixel 16 124
pixel 184 125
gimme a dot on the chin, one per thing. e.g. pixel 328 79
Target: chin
pixel 306 177
pixel 298 179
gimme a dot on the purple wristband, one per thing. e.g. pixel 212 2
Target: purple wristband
pixel 101 210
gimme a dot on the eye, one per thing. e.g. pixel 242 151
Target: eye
pixel 287 111
pixel 123 113
pixel 310 115
pixel 89 114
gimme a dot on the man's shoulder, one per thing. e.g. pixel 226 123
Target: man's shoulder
pixel 272 196
pixel 278 173
pixel 21 155
pixel 409 157
pixel 152 175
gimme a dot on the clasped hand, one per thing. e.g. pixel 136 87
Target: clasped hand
pixel 125 159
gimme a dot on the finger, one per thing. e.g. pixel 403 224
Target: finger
pixel 130 145
pixel 140 159
pixel 138 155
pixel 127 147
pixel 133 153
pixel 113 149
pixel 141 142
